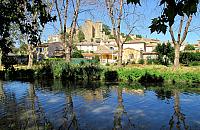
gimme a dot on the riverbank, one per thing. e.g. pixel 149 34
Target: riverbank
pixel 183 74
pixel 92 72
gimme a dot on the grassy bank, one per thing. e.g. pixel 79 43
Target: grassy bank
pixel 92 72
pixel 183 74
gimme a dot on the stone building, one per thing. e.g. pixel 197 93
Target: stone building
pixel 93 31
pixel 54 38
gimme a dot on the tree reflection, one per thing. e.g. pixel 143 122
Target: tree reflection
pixel 12 118
pixel 32 117
pixel 163 94
pixel 2 95
pixel 120 111
pixel 70 119
pixel 177 118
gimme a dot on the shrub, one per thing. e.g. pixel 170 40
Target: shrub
pixel 182 75
pixel 194 63
pixel 133 62
pixel 152 61
pixel 141 61
pixel 107 64
pixel 111 76
pixel 68 71
pixel 188 57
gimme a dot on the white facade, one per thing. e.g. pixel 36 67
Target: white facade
pixel 150 48
pixel 137 46
pixel 54 38
pixel 87 47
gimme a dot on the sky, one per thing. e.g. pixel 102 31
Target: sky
pixel 139 17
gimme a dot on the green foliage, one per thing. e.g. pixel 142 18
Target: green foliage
pixel 194 63
pixel 189 47
pixel 68 71
pixel 138 36
pixel 106 29
pixel 111 76
pixel 152 61
pixel 96 58
pixel 141 61
pixel 81 36
pixel 134 1
pixel 107 64
pixel 111 37
pixel 123 35
pixel 188 57
pixel 17 12
pixel 23 49
pixel 134 74
pixel 77 54
pixel 165 53
pixel 129 38
pixel 170 11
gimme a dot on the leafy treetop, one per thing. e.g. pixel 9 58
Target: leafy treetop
pixel 171 9
pixel 16 12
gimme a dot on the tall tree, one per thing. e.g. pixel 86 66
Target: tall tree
pixel 20 9
pixel 118 13
pixel 171 9
pixel 72 28
pixel 63 6
pixel 116 24
pixel 179 42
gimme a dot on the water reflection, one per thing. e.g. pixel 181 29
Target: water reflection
pixel 178 118
pixel 63 105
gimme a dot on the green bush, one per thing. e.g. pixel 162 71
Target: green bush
pixel 194 63
pixel 135 74
pixel 107 64
pixel 152 61
pixel 188 57
pixel 68 71
pixel 111 76
pixel 141 61
pixel 77 54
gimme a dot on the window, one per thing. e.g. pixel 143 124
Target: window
pixel 131 56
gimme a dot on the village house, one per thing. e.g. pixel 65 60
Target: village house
pixel 139 48
pixel 197 46
pixel 49 50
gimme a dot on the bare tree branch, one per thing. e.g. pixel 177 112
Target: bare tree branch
pixel 186 29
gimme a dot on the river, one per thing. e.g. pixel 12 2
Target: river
pixel 95 106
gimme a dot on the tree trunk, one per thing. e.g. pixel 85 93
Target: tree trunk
pixel 72 31
pixel 30 56
pixel 177 55
pixel 120 54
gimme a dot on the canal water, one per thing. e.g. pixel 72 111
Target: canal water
pixel 95 106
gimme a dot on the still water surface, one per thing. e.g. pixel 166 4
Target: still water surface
pixel 95 106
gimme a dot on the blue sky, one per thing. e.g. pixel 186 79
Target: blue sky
pixel 141 19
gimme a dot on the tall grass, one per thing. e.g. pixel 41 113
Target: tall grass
pixel 185 74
